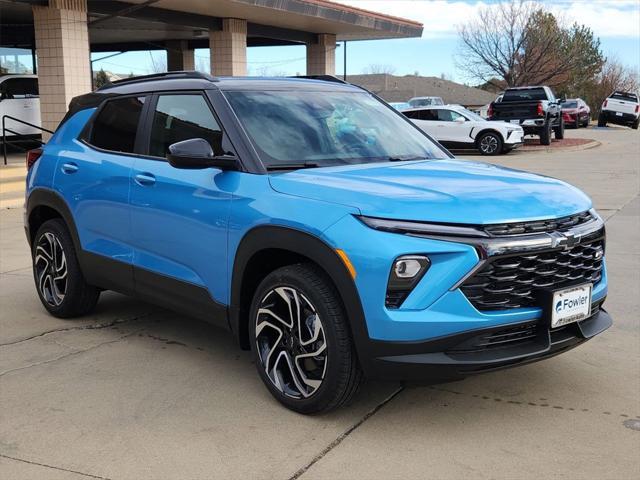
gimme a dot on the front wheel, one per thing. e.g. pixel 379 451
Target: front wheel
pixel 490 144
pixel 559 130
pixel 602 122
pixel 56 271
pixel 301 342
pixel 545 135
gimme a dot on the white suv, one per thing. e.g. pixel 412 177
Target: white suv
pixel 621 108
pixel 456 127
pixel 19 98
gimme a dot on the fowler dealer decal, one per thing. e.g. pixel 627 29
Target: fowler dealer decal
pixel 571 303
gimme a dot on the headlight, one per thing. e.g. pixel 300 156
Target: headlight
pixel 405 274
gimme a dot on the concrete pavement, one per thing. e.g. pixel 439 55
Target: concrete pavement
pixel 133 391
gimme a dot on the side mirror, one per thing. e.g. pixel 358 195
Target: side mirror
pixel 459 120
pixel 562 99
pixel 197 154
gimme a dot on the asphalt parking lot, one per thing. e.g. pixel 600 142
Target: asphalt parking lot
pixel 135 392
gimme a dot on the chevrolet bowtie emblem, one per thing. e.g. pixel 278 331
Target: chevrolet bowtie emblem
pixel 564 240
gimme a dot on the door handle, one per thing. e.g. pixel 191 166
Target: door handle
pixel 69 167
pixel 145 179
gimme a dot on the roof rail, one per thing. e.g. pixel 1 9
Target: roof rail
pixel 160 76
pixel 326 78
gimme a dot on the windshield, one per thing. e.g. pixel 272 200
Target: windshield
pixel 327 128
pixel 425 102
pixel 570 105
pixel 471 115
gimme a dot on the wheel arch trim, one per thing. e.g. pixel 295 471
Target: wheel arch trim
pixel 44 197
pixel 301 243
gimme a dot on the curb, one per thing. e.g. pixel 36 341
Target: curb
pixel 574 148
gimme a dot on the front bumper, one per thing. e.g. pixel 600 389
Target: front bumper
pixel 423 338
pixel 454 357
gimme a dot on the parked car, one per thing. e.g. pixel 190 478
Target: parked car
pixel 425 101
pixel 621 108
pixel 19 98
pixel 323 229
pixel 400 105
pixel 456 127
pixel 535 109
pixel 576 112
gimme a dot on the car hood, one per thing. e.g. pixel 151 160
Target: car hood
pixel 449 191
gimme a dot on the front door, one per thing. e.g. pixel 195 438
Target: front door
pixel 180 217
pixel 454 130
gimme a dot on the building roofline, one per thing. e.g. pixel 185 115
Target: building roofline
pixel 371 13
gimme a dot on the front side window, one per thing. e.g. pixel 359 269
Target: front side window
pixel 182 117
pixel 19 88
pixel 448 115
pixel 116 124
pixel 327 128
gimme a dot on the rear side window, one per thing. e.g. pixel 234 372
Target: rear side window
pixel 19 88
pixel 524 95
pixel 424 114
pixel 116 125
pixel 183 117
pixel 627 97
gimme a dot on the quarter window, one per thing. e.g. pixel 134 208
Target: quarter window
pixel 182 117
pixel 116 125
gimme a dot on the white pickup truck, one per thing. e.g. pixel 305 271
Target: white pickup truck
pixel 621 108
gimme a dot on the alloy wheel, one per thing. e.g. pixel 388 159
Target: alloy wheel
pixel 489 144
pixel 51 271
pixel 291 343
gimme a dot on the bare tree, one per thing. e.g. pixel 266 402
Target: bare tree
pixel 519 43
pixel 375 68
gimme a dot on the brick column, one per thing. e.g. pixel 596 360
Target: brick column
pixel 62 44
pixel 229 48
pixel 179 56
pixel 321 56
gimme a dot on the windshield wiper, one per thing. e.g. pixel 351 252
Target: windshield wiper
pixel 291 166
pixel 406 158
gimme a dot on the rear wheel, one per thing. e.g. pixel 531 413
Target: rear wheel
pixel 490 144
pixel 602 122
pixel 56 271
pixel 545 135
pixel 634 125
pixel 559 130
pixel 301 341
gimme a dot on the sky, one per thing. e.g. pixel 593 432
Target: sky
pixel 616 22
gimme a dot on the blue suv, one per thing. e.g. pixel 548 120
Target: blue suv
pixel 330 235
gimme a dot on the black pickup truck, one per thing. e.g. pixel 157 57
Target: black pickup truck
pixel 535 109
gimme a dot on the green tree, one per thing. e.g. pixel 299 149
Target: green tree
pixel 101 79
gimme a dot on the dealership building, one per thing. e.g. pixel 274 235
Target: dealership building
pixel 61 34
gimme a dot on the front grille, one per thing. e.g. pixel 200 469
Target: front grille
pixel 506 282
pixel 558 224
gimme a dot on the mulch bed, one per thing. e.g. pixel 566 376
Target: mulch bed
pixel 534 143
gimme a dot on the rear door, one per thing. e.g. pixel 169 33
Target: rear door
pixel 426 119
pixel 19 98
pixel 180 217
pixel 94 179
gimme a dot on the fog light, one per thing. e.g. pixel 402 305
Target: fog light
pixel 405 274
pixel 407 267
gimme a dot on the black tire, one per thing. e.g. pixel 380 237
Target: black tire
pixel 602 122
pixel 559 130
pixel 489 143
pixel 335 365
pixel 57 275
pixel 634 125
pixel 545 135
